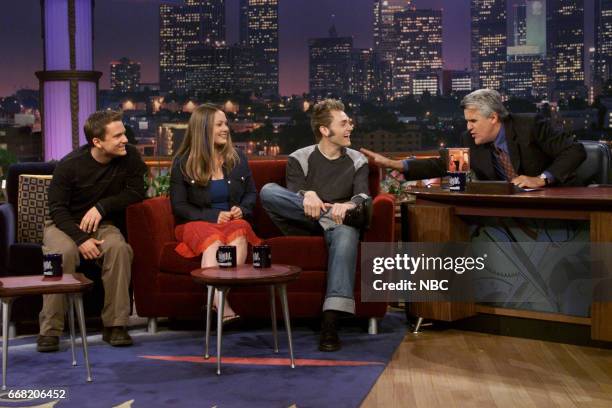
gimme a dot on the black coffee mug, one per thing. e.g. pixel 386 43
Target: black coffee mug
pixel 226 256
pixel 262 256
pixel 456 181
pixel 52 265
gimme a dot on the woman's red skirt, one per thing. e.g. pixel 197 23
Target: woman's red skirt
pixel 196 236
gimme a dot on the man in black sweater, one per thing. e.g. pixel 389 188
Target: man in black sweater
pixel 90 189
pixel 327 189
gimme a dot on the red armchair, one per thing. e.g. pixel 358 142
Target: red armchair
pixel 164 288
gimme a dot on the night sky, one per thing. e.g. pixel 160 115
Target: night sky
pixel 130 28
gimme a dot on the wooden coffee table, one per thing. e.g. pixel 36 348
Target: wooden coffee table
pixel 222 279
pixel 71 285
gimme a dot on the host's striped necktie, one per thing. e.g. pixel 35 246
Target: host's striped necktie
pixel 504 159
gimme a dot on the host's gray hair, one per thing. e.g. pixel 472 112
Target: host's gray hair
pixel 486 101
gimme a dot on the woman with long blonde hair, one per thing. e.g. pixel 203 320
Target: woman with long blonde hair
pixel 212 192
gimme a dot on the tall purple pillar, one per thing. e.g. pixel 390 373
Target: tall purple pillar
pixel 68 84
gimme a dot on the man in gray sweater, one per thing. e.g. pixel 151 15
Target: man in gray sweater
pixel 327 193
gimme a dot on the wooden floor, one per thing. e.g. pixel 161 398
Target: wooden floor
pixel 465 369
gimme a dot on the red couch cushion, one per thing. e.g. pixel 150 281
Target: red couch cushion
pixel 310 253
pixel 173 263
pixel 264 172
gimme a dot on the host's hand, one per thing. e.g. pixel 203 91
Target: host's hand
pixel 89 249
pixel 236 212
pixel 90 220
pixel 382 161
pixel 224 216
pixel 528 182
pixel 313 205
pixel 338 210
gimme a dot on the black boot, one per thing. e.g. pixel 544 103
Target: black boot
pixel 360 216
pixel 329 340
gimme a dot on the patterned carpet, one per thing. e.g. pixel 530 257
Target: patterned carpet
pixel 168 369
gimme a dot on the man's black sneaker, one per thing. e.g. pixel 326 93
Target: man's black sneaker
pixel 360 216
pixel 47 344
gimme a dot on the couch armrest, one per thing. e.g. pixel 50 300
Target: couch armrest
pixel 149 224
pixel 382 227
pixel 7 235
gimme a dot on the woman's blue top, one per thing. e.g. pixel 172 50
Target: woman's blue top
pixel 219 195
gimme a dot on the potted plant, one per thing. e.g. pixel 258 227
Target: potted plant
pixel 158 185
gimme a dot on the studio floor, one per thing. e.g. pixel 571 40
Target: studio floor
pixel 454 368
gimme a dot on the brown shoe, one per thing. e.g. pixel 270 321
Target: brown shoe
pixel 47 344
pixel 117 336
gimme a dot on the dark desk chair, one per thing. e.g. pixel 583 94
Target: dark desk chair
pixel 595 170
pixel 25 258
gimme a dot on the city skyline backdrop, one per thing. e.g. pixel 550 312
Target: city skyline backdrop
pixel 117 35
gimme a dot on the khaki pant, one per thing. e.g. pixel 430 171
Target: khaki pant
pixel 116 274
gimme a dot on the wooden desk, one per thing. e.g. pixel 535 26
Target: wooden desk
pixel 436 217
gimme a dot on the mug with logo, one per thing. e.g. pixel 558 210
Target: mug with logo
pixel 226 256
pixel 52 265
pixel 457 167
pixel 262 256
pixel 456 181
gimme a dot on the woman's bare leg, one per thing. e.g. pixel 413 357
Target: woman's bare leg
pixel 242 247
pixel 209 258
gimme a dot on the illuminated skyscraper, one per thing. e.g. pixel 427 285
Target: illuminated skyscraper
pixel 488 44
pixel 386 42
pixel 525 74
pixel 243 22
pixel 329 64
pixel 244 66
pixel 420 47
pixel 520 24
pixel 565 37
pixel 262 35
pixel 363 73
pixel 385 35
pixel 536 26
pixel 603 40
pixel 454 81
pixel 592 79
pixel 219 69
pixel 426 82
pixel 209 69
pixel 196 23
pixel 125 75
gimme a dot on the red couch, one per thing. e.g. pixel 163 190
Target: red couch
pixel 164 288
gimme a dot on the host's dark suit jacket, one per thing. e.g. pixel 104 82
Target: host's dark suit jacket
pixel 533 145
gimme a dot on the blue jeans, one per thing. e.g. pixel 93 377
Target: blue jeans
pixel 286 209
